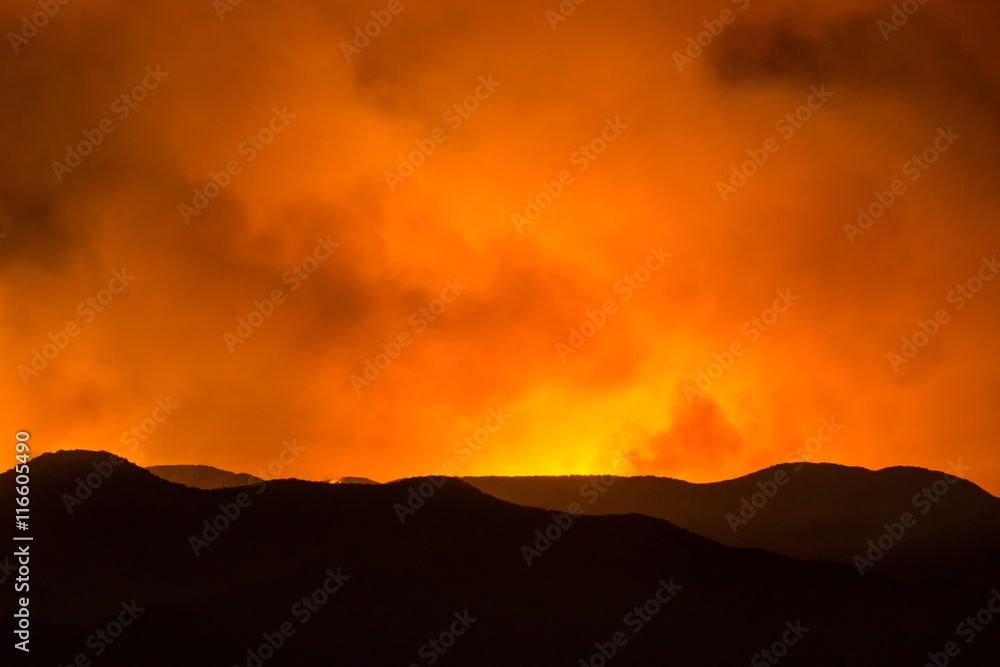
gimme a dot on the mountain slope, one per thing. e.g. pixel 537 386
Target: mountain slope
pixel 202 477
pixel 806 511
pixel 459 555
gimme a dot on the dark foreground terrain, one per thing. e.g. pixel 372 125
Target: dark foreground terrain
pixel 134 573
pixel 809 511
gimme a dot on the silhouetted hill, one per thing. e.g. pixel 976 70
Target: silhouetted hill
pixel 203 477
pixel 130 539
pixel 821 512
pixel 352 480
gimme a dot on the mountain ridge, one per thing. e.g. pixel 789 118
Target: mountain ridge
pixel 407 578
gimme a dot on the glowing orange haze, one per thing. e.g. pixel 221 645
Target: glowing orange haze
pixel 622 154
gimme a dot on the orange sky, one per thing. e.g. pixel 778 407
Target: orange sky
pixel 660 141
